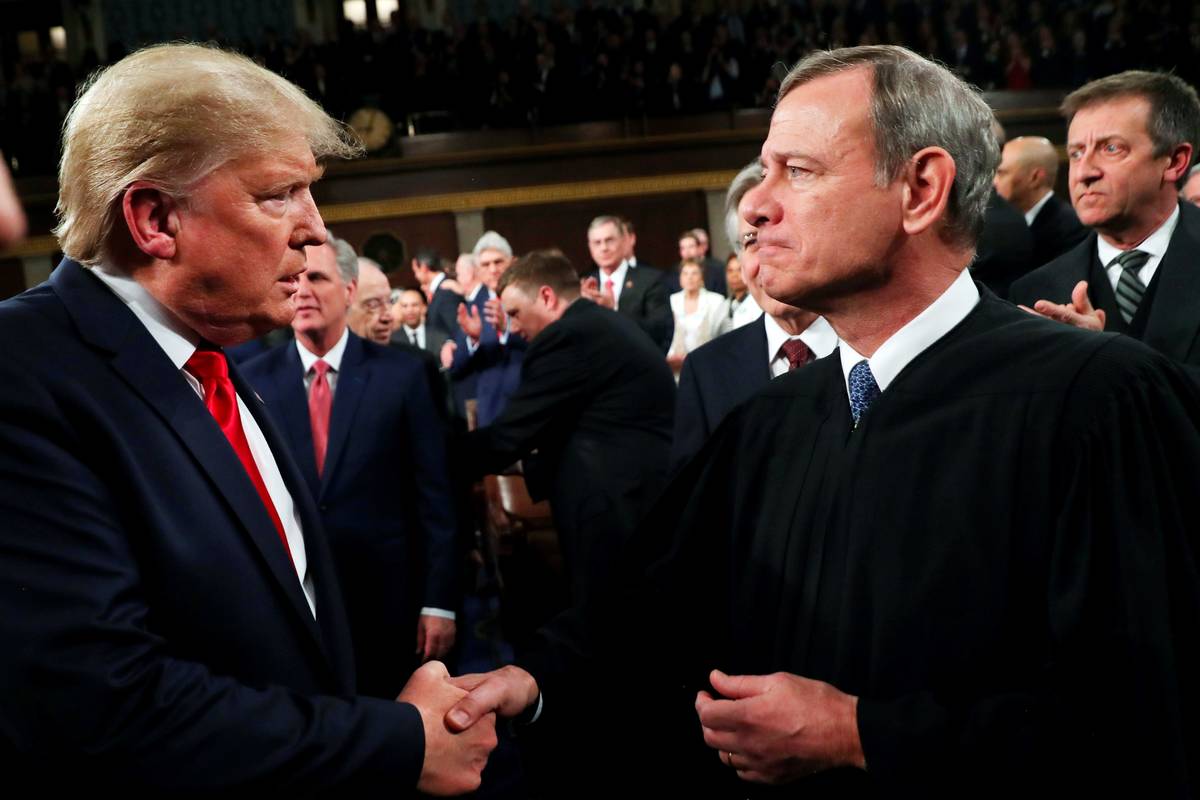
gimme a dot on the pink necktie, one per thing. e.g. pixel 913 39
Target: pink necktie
pixel 320 404
pixel 608 290
pixel 211 368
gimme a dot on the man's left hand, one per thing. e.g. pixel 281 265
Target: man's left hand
pixel 777 728
pixel 435 636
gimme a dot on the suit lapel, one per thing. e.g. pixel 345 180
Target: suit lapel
pixel 351 384
pixel 105 322
pixel 290 404
pixel 1174 319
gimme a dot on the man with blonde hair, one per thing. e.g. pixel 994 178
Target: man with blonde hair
pixel 172 620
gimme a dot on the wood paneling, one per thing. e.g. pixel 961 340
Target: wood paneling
pixel 411 233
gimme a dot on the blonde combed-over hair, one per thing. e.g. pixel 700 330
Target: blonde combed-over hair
pixel 169 115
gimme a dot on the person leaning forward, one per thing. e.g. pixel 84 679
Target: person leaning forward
pixel 171 617
pixel 957 558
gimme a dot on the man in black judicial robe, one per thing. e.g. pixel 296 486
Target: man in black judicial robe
pixel 955 559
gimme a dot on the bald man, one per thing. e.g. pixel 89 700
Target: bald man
pixel 1025 178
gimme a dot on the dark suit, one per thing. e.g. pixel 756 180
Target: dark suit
pixel 596 400
pixel 434 338
pixel 645 300
pixel 490 374
pixel 717 377
pixel 1005 248
pixel 152 629
pixel 442 314
pixel 1055 230
pixel 1167 319
pixel 383 495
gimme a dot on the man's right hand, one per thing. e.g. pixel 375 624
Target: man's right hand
pixel 447 354
pixel 589 287
pixel 507 691
pixel 453 761
pixel 468 320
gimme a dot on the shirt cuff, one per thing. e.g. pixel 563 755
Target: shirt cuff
pixel 438 612
pixel 472 346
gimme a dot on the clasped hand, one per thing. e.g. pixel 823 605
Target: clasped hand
pixel 777 728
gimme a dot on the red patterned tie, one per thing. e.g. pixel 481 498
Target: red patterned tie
pixel 320 404
pixel 210 367
pixel 796 352
pixel 608 290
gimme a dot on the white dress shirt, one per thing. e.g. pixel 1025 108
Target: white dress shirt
pixel 179 343
pixel 820 338
pixel 418 332
pixel 951 307
pixel 1032 213
pixel 1155 245
pixel 334 359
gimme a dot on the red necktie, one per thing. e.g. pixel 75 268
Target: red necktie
pixel 608 290
pixel 796 352
pixel 320 404
pixel 210 367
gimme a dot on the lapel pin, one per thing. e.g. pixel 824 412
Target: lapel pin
pixel 628 284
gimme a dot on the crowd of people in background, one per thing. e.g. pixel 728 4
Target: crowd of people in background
pixel 598 60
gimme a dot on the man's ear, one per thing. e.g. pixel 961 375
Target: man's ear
pixel 152 217
pixel 548 297
pixel 928 180
pixel 1180 156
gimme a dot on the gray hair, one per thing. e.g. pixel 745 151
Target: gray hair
pixel 170 115
pixel 749 177
pixel 916 103
pixel 347 259
pixel 1174 117
pixel 492 241
pixel 607 219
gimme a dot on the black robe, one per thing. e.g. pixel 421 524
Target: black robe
pixel 1000 561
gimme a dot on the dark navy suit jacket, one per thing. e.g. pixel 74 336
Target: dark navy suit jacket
pixel 493 371
pixel 716 378
pixel 153 633
pixel 383 496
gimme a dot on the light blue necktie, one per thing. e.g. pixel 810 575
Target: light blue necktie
pixel 863 390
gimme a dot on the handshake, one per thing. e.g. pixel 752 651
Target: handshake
pixel 459 717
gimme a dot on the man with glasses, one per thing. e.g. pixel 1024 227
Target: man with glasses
pixel 360 421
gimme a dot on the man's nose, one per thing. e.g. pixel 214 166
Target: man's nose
pixel 759 207
pixel 310 228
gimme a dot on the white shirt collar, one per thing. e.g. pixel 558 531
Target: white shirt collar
pixel 618 276
pixel 173 336
pixel 820 337
pixel 915 337
pixel 474 293
pixel 333 358
pixel 435 282
pixel 1032 213
pixel 1154 245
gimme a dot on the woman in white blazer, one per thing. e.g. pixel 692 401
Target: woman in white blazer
pixel 700 315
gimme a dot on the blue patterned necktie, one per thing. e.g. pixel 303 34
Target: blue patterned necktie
pixel 1130 288
pixel 863 390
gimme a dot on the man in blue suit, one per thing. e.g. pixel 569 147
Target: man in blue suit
pixel 486 354
pixel 732 368
pixel 170 619
pixel 360 422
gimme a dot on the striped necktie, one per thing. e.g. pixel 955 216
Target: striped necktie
pixel 1130 288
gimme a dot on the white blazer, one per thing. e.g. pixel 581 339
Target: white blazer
pixel 714 319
